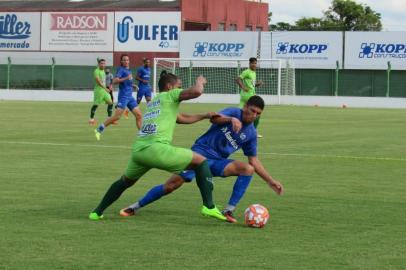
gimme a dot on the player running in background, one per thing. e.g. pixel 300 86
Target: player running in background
pixel 232 130
pixel 247 81
pixel 153 147
pixel 125 98
pixel 101 94
pixel 143 77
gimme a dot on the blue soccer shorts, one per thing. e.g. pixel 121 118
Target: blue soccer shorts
pixel 216 166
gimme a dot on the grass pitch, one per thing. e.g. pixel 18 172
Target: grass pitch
pixel 344 171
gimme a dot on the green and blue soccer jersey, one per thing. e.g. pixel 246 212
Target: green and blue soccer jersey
pixel 153 148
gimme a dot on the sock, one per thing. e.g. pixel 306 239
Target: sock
pixel 112 194
pixel 93 111
pixel 109 110
pixel 204 181
pixel 112 96
pixel 152 195
pixel 240 186
pixel 100 128
pixel 256 122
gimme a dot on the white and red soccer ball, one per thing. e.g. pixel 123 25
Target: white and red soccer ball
pixel 256 216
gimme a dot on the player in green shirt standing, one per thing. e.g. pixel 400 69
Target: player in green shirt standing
pixel 247 81
pixel 153 147
pixel 101 94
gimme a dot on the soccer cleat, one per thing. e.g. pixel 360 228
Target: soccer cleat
pixel 229 216
pixel 126 212
pixel 259 136
pixel 126 114
pixel 95 216
pixel 92 122
pixel 97 134
pixel 214 212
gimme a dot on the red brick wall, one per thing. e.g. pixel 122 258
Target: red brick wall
pixel 229 12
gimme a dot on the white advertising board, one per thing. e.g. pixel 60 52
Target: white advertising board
pixel 373 50
pixel 147 31
pixel 315 50
pixel 77 31
pixel 20 31
pixel 220 45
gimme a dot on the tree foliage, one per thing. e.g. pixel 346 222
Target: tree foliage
pixel 342 15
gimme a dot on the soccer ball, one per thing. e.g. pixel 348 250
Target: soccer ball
pixel 256 216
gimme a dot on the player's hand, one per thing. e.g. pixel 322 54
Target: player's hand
pixel 130 77
pixel 259 83
pixel 276 186
pixel 201 80
pixel 237 125
pixel 212 115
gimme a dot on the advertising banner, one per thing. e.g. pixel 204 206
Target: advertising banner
pixel 218 45
pixel 147 31
pixel 315 50
pixel 20 31
pixel 373 50
pixel 77 31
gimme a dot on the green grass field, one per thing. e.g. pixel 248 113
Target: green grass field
pixel 344 172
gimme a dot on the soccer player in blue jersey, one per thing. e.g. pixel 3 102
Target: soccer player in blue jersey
pixel 232 130
pixel 143 76
pixel 125 98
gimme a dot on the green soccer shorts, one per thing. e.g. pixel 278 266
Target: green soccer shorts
pixel 244 97
pixel 101 97
pixel 160 156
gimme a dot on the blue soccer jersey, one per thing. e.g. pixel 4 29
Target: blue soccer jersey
pixel 220 141
pixel 125 87
pixel 144 73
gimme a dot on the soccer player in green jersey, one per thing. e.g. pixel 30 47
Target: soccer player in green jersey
pixel 153 148
pixel 101 94
pixel 247 81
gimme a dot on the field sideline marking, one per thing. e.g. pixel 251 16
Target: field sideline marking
pixel 260 153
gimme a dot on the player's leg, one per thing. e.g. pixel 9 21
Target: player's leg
pixel 92 121
pixel 108 98
pixel 140 94
pixel 148 95
pixel 154 194
pixel 116 116
pixel 135 110
pixel 244 171
pixel 133 172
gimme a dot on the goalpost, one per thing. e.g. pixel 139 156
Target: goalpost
pixel 278 76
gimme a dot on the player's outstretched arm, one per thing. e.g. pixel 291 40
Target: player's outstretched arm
pixel 222 120
pixel 184 118
pixel 195 91
pixel 260 170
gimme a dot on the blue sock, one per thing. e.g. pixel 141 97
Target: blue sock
pixel 240 186
pixel 152 195
pixel 100 128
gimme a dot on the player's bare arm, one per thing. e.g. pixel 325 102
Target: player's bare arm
pixel 120 80
pixel 194 91
pixel 241 84
pixel 221 120
pixel 184 118
pixel 99 83
pixel 261 171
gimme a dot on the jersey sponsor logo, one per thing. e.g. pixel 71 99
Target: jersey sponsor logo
pixel 229 137
pixel 152 115
pixel 145 32
pixel 293 48
pixel 79 21
pixel 204 49
pixel 382 50
pixel 148 129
